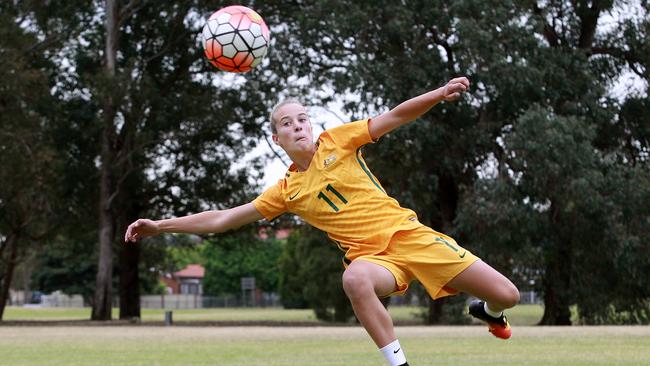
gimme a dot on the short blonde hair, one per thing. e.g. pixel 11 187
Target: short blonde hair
pixel 274 130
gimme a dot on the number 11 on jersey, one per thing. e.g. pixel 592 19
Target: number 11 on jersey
pixel 324 197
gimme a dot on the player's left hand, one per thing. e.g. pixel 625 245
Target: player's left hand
pixel 454 88
pixel 141 228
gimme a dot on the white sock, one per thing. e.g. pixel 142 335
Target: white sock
pixel 393 353
pixel 490 312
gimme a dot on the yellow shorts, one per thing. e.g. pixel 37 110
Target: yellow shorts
pixel 431 257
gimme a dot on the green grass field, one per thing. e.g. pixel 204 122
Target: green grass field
pixel 521 315
pixel 274 346
pixel 135 345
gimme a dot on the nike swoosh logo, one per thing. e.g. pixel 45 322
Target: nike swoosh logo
pixel 397 350
pixel 463 255
pixel 294 196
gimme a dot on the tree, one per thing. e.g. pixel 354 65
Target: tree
pixel 570 214
pixel 574 73
pixel 230 257
pixel 161 122
pixel 163 125
pixel 291 282
pixel 29 179
pixel 310 273
pixel 160 145
pixel 517 55
pixel 66 270
pixel 102 304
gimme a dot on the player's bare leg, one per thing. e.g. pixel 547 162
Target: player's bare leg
pixel 363 282
pixel 484 282
pixel 499 293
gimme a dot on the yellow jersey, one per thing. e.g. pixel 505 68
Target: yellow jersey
pixel 339 195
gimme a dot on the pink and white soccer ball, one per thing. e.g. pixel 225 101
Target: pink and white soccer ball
pixel 235 39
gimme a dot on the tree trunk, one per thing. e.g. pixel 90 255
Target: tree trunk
pixel 557 279
pixel 557 288
pixel 556 293
pixel 129 254
pixel 435 311
pixel 9 272
pixel 104 281
pixel 129 282
pixel 448 201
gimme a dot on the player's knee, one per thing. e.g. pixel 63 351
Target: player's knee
pixel 510 296
pixel 355 283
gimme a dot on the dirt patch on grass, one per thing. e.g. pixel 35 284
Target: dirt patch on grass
pixel 285 332
pixel 185 323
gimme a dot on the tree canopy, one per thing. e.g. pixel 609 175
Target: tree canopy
pixel 529 170
pixel 110 112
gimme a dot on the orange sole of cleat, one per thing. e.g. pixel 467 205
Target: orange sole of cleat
pixel 501 332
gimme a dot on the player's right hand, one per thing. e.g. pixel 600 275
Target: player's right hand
pixel 141 228
pixel 454 88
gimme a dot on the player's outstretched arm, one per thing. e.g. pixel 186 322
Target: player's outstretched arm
pixel 415 107
pixel 216 221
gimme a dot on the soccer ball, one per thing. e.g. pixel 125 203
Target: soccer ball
pixel 235 39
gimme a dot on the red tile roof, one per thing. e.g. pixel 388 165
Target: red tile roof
pixel 192 270
pixel 279 234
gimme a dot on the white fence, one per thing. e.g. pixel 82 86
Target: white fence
pixel 53 300
pixel 57 299
pixel 189 301
pixel 171 301
pixel 198 301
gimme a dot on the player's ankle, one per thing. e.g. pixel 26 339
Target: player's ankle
pixel 394 354
pixel 491 312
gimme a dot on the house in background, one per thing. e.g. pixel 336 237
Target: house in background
pixel 265 233
pixel 187 281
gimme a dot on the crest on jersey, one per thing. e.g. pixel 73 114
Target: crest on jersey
pixel 329 160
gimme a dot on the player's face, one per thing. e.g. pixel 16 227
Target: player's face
pixel 293 128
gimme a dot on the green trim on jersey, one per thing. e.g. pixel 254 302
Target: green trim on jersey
pixel 365 169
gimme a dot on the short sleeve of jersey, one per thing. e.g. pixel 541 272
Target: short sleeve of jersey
pixel 271 203
pixel 351 135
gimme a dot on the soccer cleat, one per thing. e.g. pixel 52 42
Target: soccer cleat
pixel 499 327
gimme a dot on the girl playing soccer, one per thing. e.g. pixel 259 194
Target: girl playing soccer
pixel 330 186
